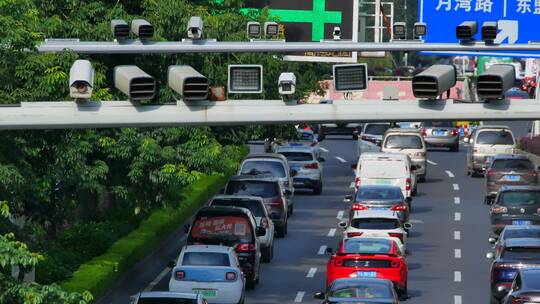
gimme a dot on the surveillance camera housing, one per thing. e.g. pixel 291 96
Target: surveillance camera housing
pixel 271 30
pixel 431 83
pixel 496 81
pixel 400 30
pixel 253 30
pixel 81 79
pixel 287 84
pixel 195 28
pixel 489 31
pixel 120 29
pixel 186 81
pixel 466 30
pixel 142 28
pixel 337 33
pixel 420 29
pixel 134 82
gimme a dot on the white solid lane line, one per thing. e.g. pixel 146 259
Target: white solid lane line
pixel 341 159
pixel 457 299
pixel 340 214
pixel 299 296
pixel 311 273
pixel 416 221
pixel 450 174
pixel 432 162
pixel 456 187
pixel 324 150
pixel 457 276
pixel 160 276
pixel 457 216
pixel 332 232
pixel 457 253
pixel 457 200
pixel 457 235
pixel 322 250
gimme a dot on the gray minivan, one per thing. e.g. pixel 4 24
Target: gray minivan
pixel 486 142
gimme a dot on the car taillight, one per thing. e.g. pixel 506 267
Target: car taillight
pixel 277 202
pixel 423 132
pixel 400 207
pixel 179 275
pixel 312 166
pixel 357 182
pixel 230 276
pixel 499 209
pixel 397 235
pixel 532 173
pixel 338 262
pixel 455 132
pixel 521 300
pixel 264 223
pixel 408 184
pixel 395 264
pixel 245 247
pixel 490 172
pixel 359 207
pixel 354 234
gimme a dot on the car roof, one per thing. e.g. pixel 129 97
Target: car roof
pixel 238 197
pixel 361 280
pixel 375 214
pixel 265 155
pixel 510 156
pixel 294 148
pixel 207 248
pixel 224 210
pixel 379 187
pixel 167 294
pixel 505 188
pixel 403 130
pixel 523 242
pixel 521 227
pixel 379 155
pixel 255 177
pixel 492 127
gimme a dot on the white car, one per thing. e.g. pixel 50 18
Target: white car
pixel 152 297
pixel 410 142
pixel 377 224
pixel 308 168
pixel 306 138
pixel 210 270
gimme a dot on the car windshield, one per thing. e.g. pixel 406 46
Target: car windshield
pixel 521 233
pixel 360 291
pixel 367 246
pixel 519 198
pixel 376 129
pixel 205 259
pixel 222 227
pixel 495 138
pixel 253 188
pixel 521 253
pixel 298 156
pixel 438 124
pixel 386 194
pixel 256 167
pixel 375 223
pixel 515 164
pixel 403 142
pixel 166 301
pixel 255 207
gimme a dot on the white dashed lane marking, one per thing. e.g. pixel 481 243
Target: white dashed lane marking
pixel 457 253
pixel 456 187
pixel 432 162
pixel 457 216
pixel 299 296
pixel 341 159
pixel 457 299
pixel 332 232
pixel 340 214
pixel 322 250
pixel 457 235
pixel 457 200
pixel 324 150
pixel 457 276
pixel 311 273
pixel 450 174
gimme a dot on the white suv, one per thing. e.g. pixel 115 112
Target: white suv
pixel 411 143
pixel 377 224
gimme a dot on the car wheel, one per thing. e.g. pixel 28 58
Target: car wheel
pixel 454 148
pixel 402 292
pixel 318 189
pixel 266 254
pixel 281 231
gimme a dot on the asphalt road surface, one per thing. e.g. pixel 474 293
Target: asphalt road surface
pixel 447 243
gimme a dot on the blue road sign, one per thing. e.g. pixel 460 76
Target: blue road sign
pixel 517 20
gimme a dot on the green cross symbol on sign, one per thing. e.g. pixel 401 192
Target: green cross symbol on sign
pixel 318 17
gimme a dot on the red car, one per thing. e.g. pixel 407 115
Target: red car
pixel 368 258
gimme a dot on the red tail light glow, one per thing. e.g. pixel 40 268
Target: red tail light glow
pixel 359 207
pixel 408 184
pixel 499 209
pixel 338 262
pixel 521 300
pixel 423 132
pixel 532 173
pixel 179 275
pixel 400 207
pixel 278 202
pixel 397 235
pixel 245 247
pixel 455 132
pixel 354 234
pixel 357 182
pixel 230 276
pixel 490 172
pixel 264 223
pixel 312 166
pixel 395 263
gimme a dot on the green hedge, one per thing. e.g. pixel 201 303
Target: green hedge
pixel 98 274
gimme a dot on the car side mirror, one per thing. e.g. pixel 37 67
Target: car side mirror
pixel 186 228
pixel 407 226
pixel 342 224
pixel 322 160
pixel 490 255
pixel 329 250
pixel 261 231
pixel 492 240
pixel 171 264
pixel 319 295
pixel 294 173
pixel 348 199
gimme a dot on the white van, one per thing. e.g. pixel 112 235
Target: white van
pixel 387 169
pixel 410 142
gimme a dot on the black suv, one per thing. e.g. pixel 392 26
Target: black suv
pixel 270 190
pixel 515 205
pixel 234 227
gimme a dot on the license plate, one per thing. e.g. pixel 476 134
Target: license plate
pixel 378 208
pixel 512 178
pixel 383 182
pixel 366 274
pixel 439 133
pixel 521 223
pixel 207 293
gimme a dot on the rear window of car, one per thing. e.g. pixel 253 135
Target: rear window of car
pixel 166 301
pixel 519 198
pixel 205 259
pixel 403 142
pixel 386 194
pixel 256 167
pixel 375 223
pixel 376 129
pixel 521 233
pixel 367 246
pixel 516 164
pixel 255 207
pixel 232 228
pixel 494 138
pixel 360 291
pixel 521 253
pixel 438 124
pixel 253 188
pixel 298 156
